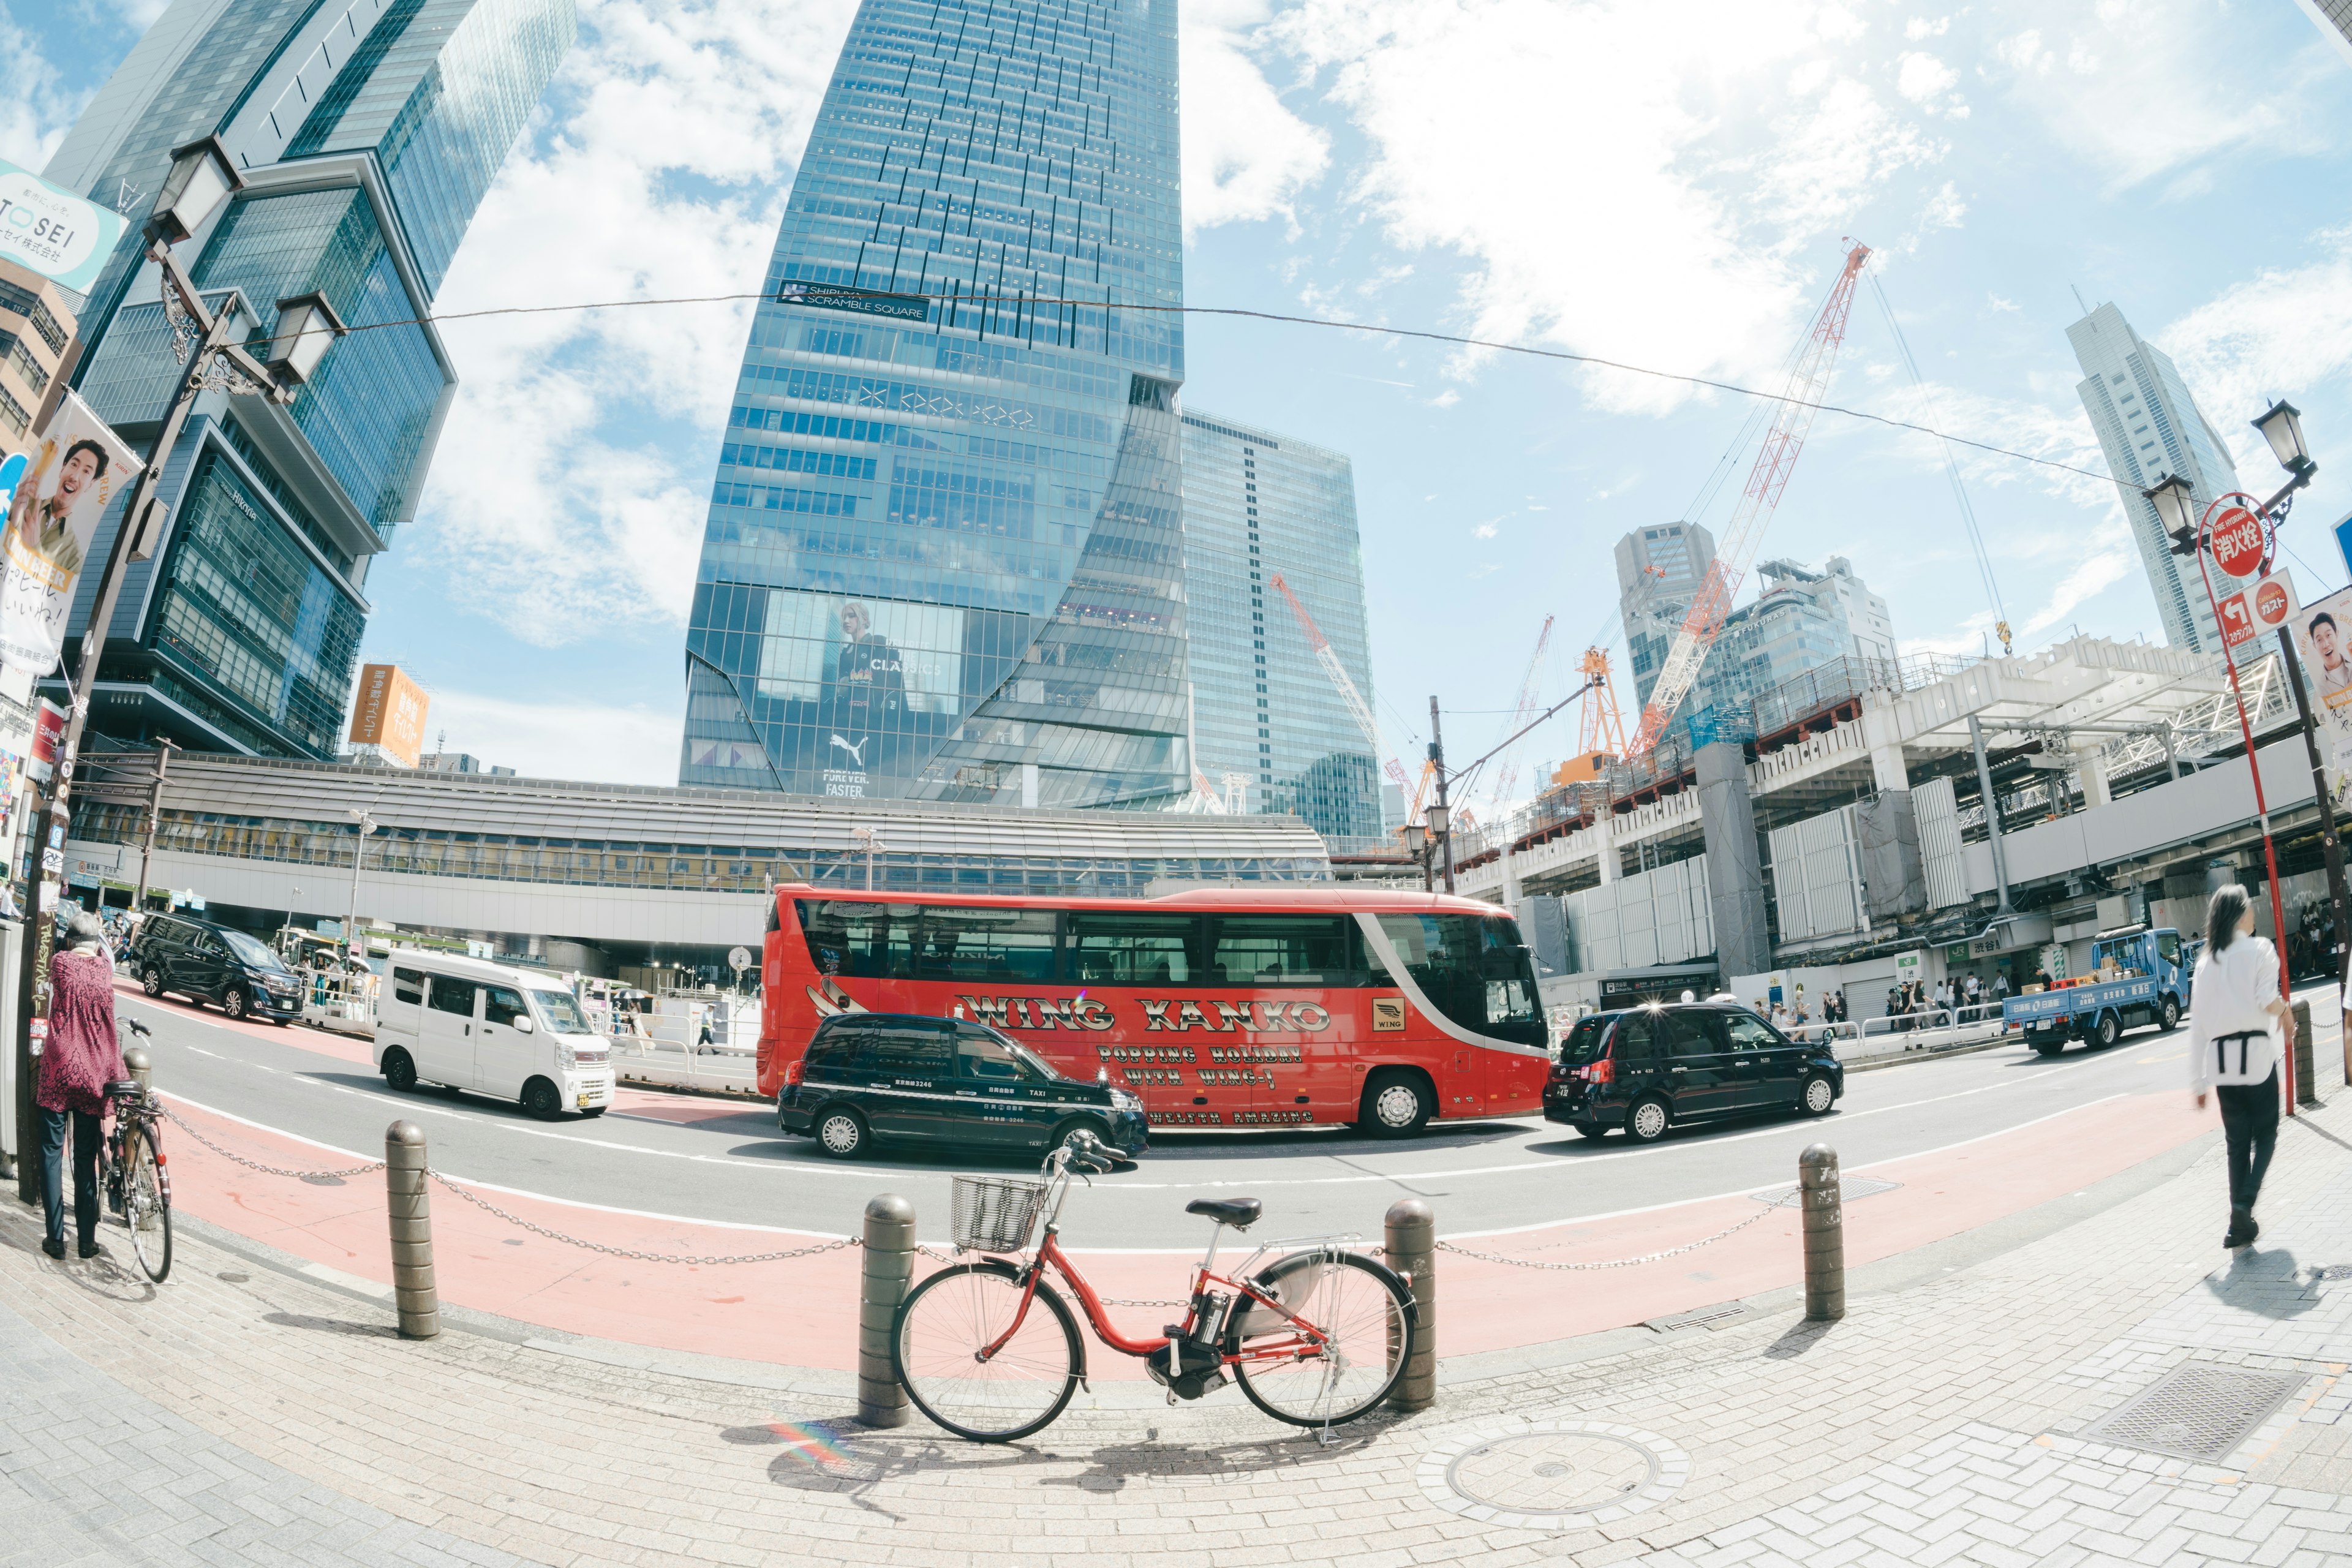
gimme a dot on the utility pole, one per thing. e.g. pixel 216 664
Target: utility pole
pixel 2331 847
pixel 1444 813
pixel 154 820
pixel 365 825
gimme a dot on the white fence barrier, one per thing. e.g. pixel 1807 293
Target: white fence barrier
pixel 668 1048
pixel 1934 1028
pixel 344 1002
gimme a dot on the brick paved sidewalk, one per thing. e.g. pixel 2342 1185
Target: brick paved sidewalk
pixel 244 1414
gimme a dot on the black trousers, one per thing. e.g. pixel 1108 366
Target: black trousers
pixel 87 1133
pixel 2250 1120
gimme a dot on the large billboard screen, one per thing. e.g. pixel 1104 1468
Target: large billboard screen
pixel 389 711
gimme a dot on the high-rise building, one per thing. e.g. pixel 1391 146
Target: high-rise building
pixel 1257 504
pixel 2150 426
pixel 1799 621
pixel 36 322
pixel 2334 20
pixel 944 555
pixel 367 133
pixel 1658 573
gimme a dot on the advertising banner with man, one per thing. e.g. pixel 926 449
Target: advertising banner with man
pixel 2322 641
pixel 56 491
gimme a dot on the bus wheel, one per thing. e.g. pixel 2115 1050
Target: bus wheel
pixel 1397 1104
pixel 2170 1014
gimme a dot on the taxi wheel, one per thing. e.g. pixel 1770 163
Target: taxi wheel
pixel 1067 1133
pixel 542 1099
pixel 841 1132
pixel 1647 1119
pixel 1817 1095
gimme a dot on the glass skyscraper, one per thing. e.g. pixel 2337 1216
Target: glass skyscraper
pixel 1258 505
pixel 944 557
pixel 2150 426
pixel 1658 573
pixel 367 133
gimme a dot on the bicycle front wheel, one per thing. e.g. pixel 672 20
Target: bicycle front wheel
pixel 1343 1351
pixel 147 1203
pixel 942 1331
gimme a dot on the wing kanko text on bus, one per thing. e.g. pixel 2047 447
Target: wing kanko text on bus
pixel 1256 1016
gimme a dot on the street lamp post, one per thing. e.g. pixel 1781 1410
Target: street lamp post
pixel 2192 535
pixel 866 836
pixel 1416 843
pixel 201 177
pixel 365 822
pixel 1440 817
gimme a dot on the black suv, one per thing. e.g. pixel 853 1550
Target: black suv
pixel 943 1080
pixel 1646 1068
pixel 218 963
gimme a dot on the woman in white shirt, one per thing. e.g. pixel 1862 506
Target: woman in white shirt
pixel 2233 1048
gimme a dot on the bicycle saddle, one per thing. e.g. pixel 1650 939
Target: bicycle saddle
pixel 1239 1213
pixel 122 1088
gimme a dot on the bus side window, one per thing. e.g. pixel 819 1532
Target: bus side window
pixel 863 941
pixel 1288 950
pixel 986 944
pixel 1120 949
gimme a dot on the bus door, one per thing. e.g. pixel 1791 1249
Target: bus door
pixel 1147 967
pixel 1301 978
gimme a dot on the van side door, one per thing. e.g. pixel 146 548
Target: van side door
pixel 504 1057
pixel 444 1031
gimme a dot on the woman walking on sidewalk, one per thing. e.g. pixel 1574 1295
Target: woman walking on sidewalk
pixel 78 1059
pixel 2233 1048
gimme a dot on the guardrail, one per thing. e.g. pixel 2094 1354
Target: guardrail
pixel 674 1056
pixel 1891 1036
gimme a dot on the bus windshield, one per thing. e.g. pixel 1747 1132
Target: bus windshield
pixel 1474 970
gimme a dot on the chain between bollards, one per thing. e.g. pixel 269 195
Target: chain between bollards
pixel 412 1291
pixel 889 1248
pixel 1821 1200
pixel 1410 1246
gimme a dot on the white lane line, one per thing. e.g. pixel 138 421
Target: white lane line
pixel 493 1187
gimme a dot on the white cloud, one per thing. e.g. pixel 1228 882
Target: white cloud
pixel 562 500
pixel 38 108
pixel 1996 302
pixel 1245 154
pixel 1923 78
pixel 2108 557
pixel 1920 28
pixel 1729 166
pixel 564 740
pixel 2282 332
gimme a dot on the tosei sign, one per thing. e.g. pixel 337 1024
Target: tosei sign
pixel 53 231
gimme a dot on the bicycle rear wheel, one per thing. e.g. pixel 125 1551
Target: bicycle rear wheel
pixel 936 1344
pixel 1344 1351
pixel 147 1203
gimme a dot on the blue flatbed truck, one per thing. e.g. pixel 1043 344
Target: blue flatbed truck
pixel 2152 988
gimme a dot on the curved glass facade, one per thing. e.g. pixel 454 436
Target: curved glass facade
pixel 944 557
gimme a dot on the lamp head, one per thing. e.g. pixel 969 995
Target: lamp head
pixel 1416 838
pixel 1437 816
pixel 2283 428
pixel 2176 509
pixel 202 176
pixel 307 328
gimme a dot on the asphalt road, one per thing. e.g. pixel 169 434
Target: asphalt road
pixel 733 1165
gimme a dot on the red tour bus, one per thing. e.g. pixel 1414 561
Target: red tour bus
pixel 1273 1006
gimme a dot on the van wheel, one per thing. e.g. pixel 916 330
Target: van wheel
pixel 1647 1119
pixel 2110 1029
pixel 152 982
pixel 542 1099
pixel 399 1070
pixel 2170 1014
pixel 1396 1103
pixel 841 1132
pixel 234 1003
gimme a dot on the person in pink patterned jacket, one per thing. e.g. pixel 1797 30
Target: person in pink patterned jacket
pixel 78 1059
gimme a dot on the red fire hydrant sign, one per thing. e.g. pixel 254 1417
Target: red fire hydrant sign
pixel 2238 542
pixel 2263 605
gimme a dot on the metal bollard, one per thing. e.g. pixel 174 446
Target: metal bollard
pixel 141 1067
pixel 2305 1091
pixel 1410 1246
pixel 413 1290
pixel 1823 1207
pixel 889 1270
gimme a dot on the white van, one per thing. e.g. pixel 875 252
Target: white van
pixel 463 1023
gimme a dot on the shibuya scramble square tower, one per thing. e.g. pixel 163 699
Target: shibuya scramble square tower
pixel 944 558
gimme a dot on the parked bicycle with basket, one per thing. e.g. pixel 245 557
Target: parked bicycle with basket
pixel 131 1163
pixel 990 1352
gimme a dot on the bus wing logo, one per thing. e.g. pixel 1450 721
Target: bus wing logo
pixel 1387 1014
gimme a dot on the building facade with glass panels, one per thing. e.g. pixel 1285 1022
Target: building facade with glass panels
pixel 944 554
pixel 1268 723
pixel 368 132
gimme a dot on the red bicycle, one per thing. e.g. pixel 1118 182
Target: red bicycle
pixel 990 1352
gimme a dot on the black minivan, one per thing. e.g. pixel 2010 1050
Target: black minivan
pixel 218 963
pixel 943 1081
pixel 1647 1069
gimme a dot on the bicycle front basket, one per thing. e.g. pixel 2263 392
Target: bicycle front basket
pixel 992 1214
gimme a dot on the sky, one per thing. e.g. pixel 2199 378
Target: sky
pixel 1670 187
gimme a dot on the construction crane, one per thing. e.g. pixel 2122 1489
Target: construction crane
pixel 1604 735
pixel 1356 709
pixel 1775 460
pixel 1507 774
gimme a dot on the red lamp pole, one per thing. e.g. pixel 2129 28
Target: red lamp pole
pixel 2245 727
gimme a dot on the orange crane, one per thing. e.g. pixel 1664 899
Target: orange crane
pixel 1775 460
pixel 1508 774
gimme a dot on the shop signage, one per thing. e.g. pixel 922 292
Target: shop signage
pixel 2239 543
pixel 2263 605
pixel 859 301
pixel 51 231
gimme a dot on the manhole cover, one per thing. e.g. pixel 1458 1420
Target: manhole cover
pixel 2196 1411
pixel 1849 1189
pixel 1552 1475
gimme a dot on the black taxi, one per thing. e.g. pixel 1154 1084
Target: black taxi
pixel 1648 1068
pixel 944 1082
